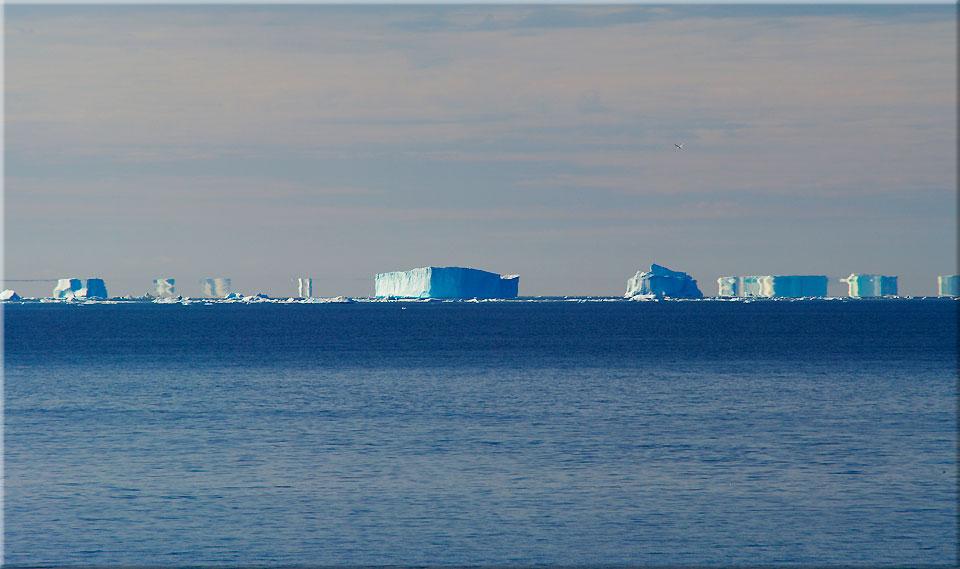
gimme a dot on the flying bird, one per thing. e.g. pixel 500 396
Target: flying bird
pixel 679 146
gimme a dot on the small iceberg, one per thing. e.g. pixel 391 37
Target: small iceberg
pixel 9 295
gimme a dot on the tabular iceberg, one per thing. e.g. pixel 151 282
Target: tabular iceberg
pixel 445 283
pixel 948 285
pixel 771 286
pixel 214 287
pixel 68 289
pixel 165 288
pixel 662 282
pixel 870 286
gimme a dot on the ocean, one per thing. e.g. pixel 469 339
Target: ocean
pixel 510 433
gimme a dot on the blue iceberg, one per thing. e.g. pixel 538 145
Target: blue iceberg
pixel 95 289
pixel 773 286
pixel 661 282
pixel 870 286
pixel 948 285
pixel 445 283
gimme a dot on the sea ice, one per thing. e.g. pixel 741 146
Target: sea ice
pixel 445 283
pixel 869 286
pixel 948 285
pixel 771 286
pixel 661 282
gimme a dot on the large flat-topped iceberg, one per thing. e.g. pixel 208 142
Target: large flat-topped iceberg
pixel 68 289
pixel 445 283
pixel 871 286
pixel 662 282
pixel 948 285
pixel 773 286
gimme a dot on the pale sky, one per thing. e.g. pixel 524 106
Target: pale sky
pixel 263 143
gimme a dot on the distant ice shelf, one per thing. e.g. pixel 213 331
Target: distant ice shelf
pixel 445 283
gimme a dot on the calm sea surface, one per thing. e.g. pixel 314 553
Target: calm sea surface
pixel 494 433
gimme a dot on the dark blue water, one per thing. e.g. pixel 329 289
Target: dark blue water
pixel 500 433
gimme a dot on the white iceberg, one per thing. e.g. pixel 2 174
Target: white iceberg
pixel 948 285
pixel 445 283
pixel 728 286
pixel 660 282
pixel 870 286
pixel 304 287
pixel 66 289
pixel 773 286
pixel 214 287
pixel 9 295
pixel 165 287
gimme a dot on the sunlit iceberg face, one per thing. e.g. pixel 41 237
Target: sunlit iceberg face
pixel 304 287
pixel 662 282
pixel 214 287
pixel 67 288
pixel 728 286
pixel 871 286
pixel 948 285
pixel 445 283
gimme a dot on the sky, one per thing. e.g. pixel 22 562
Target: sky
pixel 263 143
